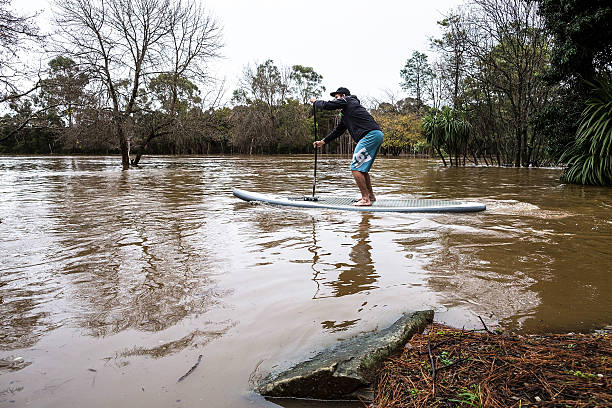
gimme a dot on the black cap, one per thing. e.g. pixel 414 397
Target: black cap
pixel 342 91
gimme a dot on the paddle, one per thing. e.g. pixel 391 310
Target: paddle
pixel 314 183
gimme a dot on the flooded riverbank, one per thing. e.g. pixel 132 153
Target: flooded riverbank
pixel 113 283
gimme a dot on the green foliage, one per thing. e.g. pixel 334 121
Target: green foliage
pixel 173 93
pixel 471 397
pixel 295 132
pixel 445 358
pixel 582 38
pixel 402 131
pixel 491 56
pixel 63 91
pixel 590 158
pixel 582 50
pixel 557 123
pixel 29 141
pixel 434 130
pixel 580 374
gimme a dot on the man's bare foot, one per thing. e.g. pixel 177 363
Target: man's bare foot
pixel 363 203
pixel 372 198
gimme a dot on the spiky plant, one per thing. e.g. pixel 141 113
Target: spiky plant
pixel 457 130
pixel 447 129
pixel 589 159
pixel 433 129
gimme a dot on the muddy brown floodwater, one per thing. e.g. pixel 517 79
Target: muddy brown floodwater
pixel 113 283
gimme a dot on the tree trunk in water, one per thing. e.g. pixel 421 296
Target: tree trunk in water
pixel 137 158
pixel 440 153
pixel 124 145
pixel 519 147
pixel 527 147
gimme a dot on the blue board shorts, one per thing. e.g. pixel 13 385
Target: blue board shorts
pixel 366 150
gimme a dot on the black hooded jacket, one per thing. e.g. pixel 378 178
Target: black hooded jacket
pixel 354 118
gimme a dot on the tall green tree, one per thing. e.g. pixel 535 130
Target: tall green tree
pixel 305 83
pixel 167 106
pixel 64 95
pixel 452 47
pixel 417 76
pixel 65 89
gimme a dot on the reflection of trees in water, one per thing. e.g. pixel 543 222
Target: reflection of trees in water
pixel 516 270
pixel 525 281
pixel 22 321
pixel 333 326
pixel 314 249
pixel 137 256
pixel 27 284
pixel 471 269
pixel 197 337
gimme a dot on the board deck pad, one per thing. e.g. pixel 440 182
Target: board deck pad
pixel 346 203
pixel 381 202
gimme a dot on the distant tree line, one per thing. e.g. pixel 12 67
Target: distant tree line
pixel 510 83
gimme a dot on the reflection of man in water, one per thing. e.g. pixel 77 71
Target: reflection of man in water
pixel 361 275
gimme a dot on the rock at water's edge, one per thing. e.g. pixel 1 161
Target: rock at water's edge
pixel 349 365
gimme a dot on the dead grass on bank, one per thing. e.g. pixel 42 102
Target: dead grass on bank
pixel 447 367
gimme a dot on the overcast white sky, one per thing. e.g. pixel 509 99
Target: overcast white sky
pixel 359 44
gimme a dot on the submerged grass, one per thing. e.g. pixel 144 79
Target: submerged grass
pixel 476 369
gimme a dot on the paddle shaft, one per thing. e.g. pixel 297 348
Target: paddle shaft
pixel 314 183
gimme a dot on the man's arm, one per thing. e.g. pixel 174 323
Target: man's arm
pixel 339 103
pixel 337 132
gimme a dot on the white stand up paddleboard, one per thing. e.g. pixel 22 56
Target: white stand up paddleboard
pixel 346 203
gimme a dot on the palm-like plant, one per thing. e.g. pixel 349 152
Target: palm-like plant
pixel 434 133
pixel 447 129
pixel 457 130
pixel 590 158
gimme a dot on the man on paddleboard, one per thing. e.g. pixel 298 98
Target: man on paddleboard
pixel 365 132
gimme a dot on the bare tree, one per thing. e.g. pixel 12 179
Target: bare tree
pixel 193 40
pixel 507 40
pixel 437 86
pixel 17 34
pixel 124 44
